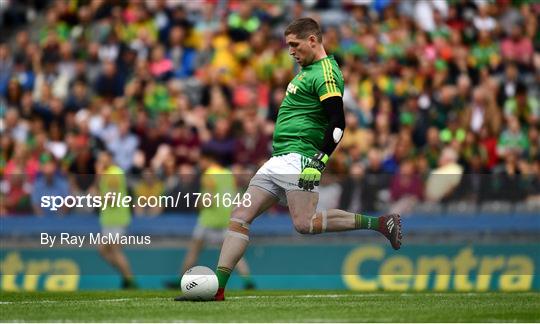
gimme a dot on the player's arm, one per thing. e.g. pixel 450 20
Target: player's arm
pixel 311 175
pixel 336 125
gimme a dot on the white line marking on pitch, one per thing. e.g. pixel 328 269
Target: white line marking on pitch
pixel 165 298
pixel 76 301
pixel 367 295
pixel 307 296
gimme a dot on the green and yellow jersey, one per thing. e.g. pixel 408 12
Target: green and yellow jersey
pixel 113 180
pixel 302 121
pixel 217 180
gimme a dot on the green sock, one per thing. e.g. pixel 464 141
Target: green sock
pixel 223 275
pixel 366 222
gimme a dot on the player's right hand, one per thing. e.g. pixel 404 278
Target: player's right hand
pixel 309 178
pixel 311 174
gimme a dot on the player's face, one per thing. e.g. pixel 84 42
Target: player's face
pixel 302 50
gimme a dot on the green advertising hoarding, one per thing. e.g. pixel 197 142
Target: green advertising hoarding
pixel 330 266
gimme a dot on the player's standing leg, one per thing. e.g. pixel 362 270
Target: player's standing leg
pixel 302 206
pixel 196 245
pixel 237 237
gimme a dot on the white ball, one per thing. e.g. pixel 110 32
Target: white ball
pixel 199 283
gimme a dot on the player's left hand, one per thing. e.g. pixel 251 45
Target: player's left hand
pixel 311 174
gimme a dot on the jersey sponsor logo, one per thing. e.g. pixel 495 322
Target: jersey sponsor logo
pixel 291 88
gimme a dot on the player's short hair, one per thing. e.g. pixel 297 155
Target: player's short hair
pixel 303 28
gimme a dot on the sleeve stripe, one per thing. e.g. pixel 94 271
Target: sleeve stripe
pixel 335 81
pixel 331 75
pixel 330 94
pixel 325 76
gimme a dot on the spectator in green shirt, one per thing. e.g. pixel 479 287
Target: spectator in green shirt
pixel 243 22
pixel 526 108
pixel 485 53
pixel 512 139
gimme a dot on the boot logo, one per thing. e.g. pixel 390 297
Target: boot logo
pixel 390 224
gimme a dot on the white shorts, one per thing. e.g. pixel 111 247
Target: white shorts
pixel 280 175
pixel 209 235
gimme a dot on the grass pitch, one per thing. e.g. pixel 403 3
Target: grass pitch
pixel 271 306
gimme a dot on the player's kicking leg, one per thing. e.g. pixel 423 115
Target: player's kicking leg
pixel 302 206
pixel 237 237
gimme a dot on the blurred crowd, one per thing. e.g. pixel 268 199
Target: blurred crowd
pixel 431 88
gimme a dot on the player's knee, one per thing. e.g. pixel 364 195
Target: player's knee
pixel 238 228
pixel 242 213
pixel 302 227
pixel 316 224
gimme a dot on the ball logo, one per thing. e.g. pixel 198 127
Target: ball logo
pixel 199 283
pixel 191 285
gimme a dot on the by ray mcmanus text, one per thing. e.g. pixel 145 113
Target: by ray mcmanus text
pixel 67 239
